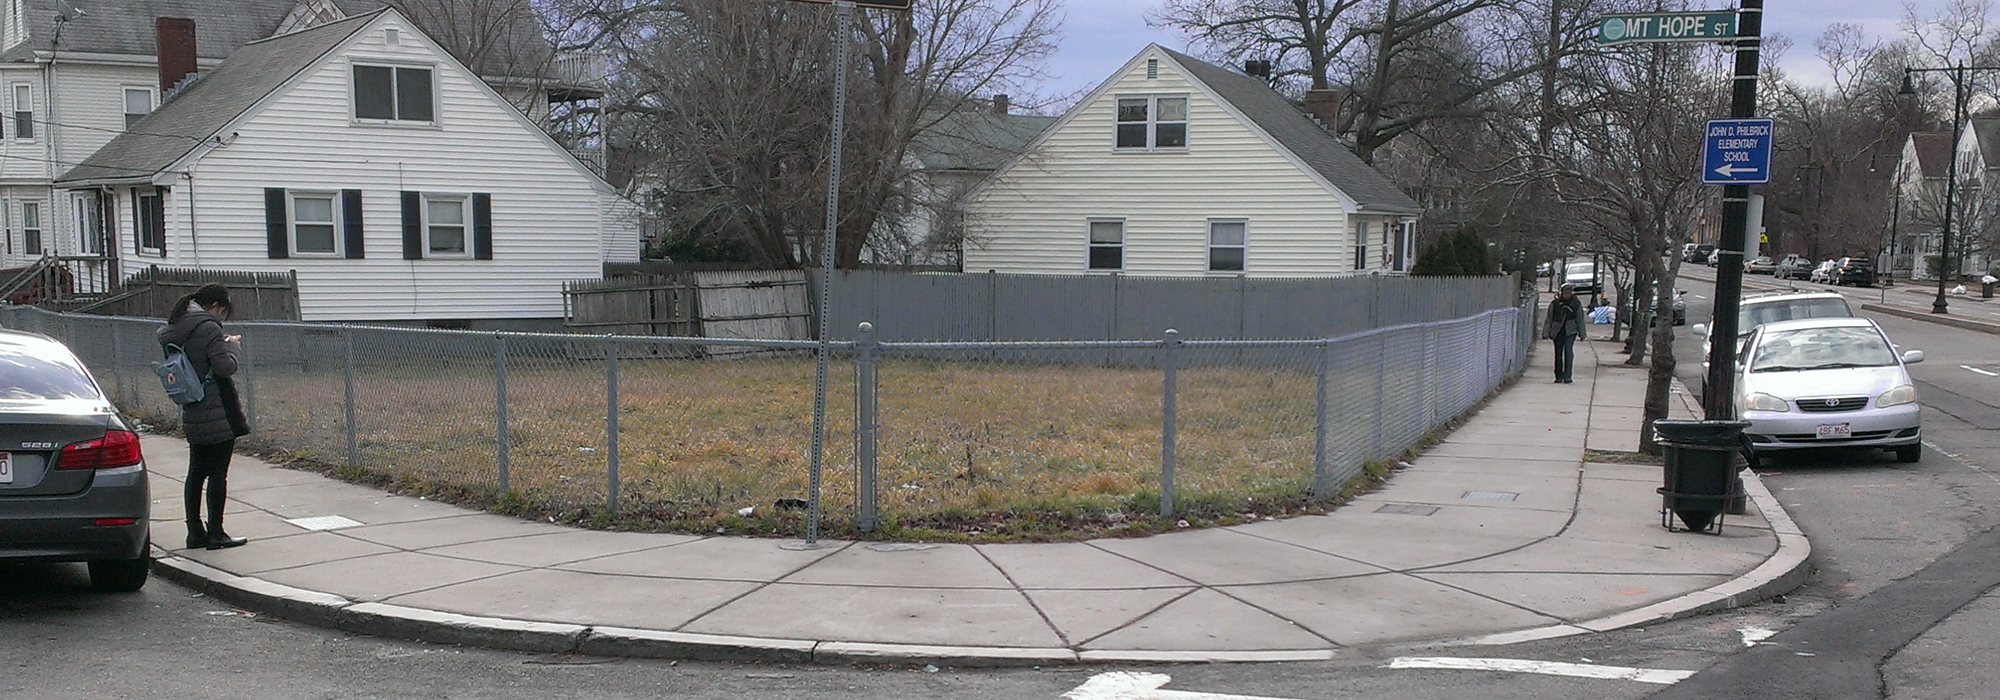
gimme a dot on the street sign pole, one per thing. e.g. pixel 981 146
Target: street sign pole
pixel 843 11
pixel 1718 396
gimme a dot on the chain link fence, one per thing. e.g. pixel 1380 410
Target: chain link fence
pixel 687 433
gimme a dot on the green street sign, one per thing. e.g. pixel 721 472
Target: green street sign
pixel 1667 26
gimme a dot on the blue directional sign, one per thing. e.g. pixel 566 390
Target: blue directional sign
pixel 1738 152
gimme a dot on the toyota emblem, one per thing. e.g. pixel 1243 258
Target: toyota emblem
pixel 1833 402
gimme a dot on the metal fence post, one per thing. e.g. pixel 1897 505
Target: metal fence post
pixel 500 407
pixel 248 364
pixel 1169 346
pixel 611 424
pixel 347 359
pixel 1381 400
pixel 865 425
pixel 1319 422
pixel 1430 377
pixel 119 392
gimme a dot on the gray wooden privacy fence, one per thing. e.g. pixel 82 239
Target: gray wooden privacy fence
pixel 601 423
pixel 258 296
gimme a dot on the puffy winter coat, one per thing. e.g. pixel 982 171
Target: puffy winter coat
pixel 207 421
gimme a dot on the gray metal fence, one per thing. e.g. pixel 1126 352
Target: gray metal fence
pixel 688 430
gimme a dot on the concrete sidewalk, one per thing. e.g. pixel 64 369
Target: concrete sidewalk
pixel 1502 533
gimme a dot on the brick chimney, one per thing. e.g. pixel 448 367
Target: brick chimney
pixel 1324 106
pixel 175 38
pixel 1001 103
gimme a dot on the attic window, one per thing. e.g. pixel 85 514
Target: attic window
pixel 394 94
pixel 1152 69
pixel 1152 122
pixel 392 37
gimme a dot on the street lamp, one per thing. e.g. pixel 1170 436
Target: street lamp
pixel 1895 215
pixel 1957 73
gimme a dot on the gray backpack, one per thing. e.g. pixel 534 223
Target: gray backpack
pixel 177 375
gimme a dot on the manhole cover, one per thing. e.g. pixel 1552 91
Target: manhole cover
pixel 1490 496
pixel 1406 509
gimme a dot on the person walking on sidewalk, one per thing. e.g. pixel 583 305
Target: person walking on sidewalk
pixel 194 325
pixel 1565 323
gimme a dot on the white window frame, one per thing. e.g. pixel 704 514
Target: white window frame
pixel 1089 227
pixel 41 246
pixel 14 117
pixel 292 198
pixel 125 96
pixel 1409 246
pixel 140 221
pixel 1243 248
pixel 88 215
pixel 1153 122
pixel 465 217
pixel 395 94
pixel 1361 259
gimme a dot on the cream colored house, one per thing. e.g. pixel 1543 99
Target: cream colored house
pixel 1177 167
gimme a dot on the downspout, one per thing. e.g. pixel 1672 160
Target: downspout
pixel 194 241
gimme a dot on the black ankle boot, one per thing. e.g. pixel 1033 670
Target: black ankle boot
pixel 197 537
pixel 217 539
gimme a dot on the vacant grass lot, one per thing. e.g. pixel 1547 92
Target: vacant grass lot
pixel 979 450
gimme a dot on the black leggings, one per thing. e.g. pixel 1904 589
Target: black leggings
pixel 208 464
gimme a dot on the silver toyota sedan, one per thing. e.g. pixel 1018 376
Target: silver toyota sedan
pixel 1827 382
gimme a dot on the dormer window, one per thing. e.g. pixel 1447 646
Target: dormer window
pixel 394 94
pixel 1152 122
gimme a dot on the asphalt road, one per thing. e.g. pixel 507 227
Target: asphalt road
pixel 1906 554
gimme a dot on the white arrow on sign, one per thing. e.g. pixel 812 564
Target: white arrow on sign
pixel 1128 685
pixel 1731 169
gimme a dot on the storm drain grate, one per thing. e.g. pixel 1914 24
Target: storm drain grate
pixel 324 522
pixel 1490 496
pixel 1406 509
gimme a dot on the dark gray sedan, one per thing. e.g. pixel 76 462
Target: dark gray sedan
pixel 72 479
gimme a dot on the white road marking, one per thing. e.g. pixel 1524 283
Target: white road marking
pixel 1971 368
pixel 1551 668
pixel 1139 685
pixel 1697 296
pixel 1962 460
pixel 1753 635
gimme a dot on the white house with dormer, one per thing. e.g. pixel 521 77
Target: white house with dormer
pixel 1177 167
pixel 395 182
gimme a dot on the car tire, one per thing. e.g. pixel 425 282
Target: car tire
pixel 1910 453
pixel 1751 460
pixel 121 575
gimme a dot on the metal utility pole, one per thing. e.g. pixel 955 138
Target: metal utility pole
pixel 1718 397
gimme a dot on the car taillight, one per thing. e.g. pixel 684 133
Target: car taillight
pixel 118 448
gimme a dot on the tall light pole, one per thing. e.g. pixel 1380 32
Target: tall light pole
pixel 1958 92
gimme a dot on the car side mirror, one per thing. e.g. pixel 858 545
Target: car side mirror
pixel 1700 329
pixel 1912 357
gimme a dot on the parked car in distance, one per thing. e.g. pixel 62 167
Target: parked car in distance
pixel 1760 265
pixel 1793 267
pixel 1827 382
pixel 1823 273
pixel 1698 253
pixel 1714 258
pixel 1582 277
pixel 72 479
pixel 1855 271
pixel 1772 308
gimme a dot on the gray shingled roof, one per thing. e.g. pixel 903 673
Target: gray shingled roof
pixel 210 103
pixel 125 27
pixel 1305 138
pixel 1987 129
pixel 978 140
pixel 1933 152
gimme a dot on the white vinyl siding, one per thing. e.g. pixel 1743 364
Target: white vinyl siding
pixel 547 219
pixel 1026 219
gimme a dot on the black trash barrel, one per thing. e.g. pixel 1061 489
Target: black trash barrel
pixel 1701 467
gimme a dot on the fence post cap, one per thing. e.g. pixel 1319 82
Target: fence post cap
pixel 866 327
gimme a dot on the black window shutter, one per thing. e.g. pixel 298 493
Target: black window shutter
pixel 482 226
pixel 413 226
pixel 277 238
pixel 350 220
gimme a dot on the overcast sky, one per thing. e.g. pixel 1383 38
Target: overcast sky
pixel 1100 35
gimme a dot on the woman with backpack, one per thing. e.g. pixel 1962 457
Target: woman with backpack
pixel 212 424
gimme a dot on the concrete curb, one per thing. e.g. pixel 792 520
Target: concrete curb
pixel 1785 570
pixel 1940 319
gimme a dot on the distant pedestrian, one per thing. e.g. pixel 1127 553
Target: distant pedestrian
pixel 194 325
pixel 1565 323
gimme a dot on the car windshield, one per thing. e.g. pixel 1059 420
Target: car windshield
pixel 1753 315
pixel 28 377
pixel 1822 348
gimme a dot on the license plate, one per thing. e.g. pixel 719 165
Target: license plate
pixel 1837 430
pixel 6 468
